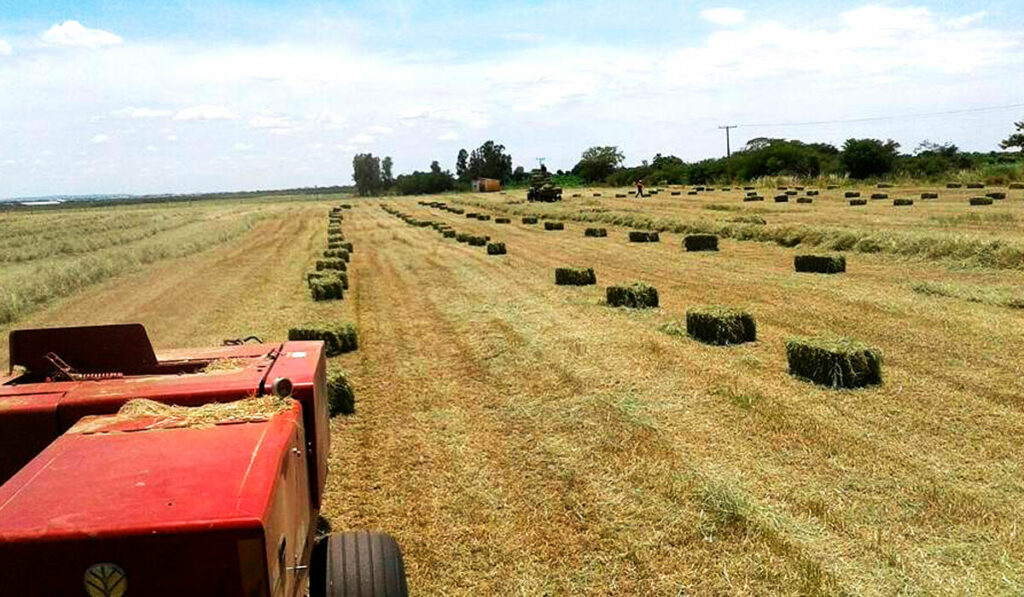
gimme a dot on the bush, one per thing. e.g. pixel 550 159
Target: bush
pixel 820 264
pixel 636 295
pixel 701 242
pixel 642 236
pixel 595 232
pixel 715 324
pixel 340 399
pixel 554 226
pixel 834 362
pixel 337 339
pixel 575 276
pixel 496 249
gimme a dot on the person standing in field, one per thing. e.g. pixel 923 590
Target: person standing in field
pixel 639 189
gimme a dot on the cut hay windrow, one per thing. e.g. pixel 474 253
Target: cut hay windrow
pixel 902 202
pixel 337 339
pixel 820 264
pixel 336 254
pixel 851 194
pixel 700 242
pixel 635 295
pixel 325 289
pixel 980 201
pixel 337 264
pixel 575 276
pixel 340 398
pixel 502 220
pixel 529 220
pixel 834 362
pixel 595 232
pixel 496 249
pixel 856 202
pixel 643 236
pixel 554 226
pixel 929 195
pixel 329 274
pixel 720 325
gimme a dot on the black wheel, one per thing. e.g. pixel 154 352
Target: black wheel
pixel 357 564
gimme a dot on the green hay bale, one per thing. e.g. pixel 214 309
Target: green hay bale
pixel 858 202
pixel 701 242
pixel 575 195
pixel 753 198
pixel 478 241
pixel 748 188
pixel 851 194
pixel 804 200
pixel 448 233
pixel 334 245
pixel 340 399
pixel 691 192
pixel 620 195
pixel 975 185
pixel 834 362
pixel 325 289
pixel 529 220
pixel 929 195
pixel 337 339
pixel 813 193
pixel 791 193
pixel 502 220
pixel 597 194
pixel 336 254
pixel 575 276
pixel 496 249
pixel 715 324
pixel 996 195
pixel 980 201
pixel 884 185
pixel 463 237
pixel 643 236
pixel 483 217
pixel 636 295
pixel 832 187
pixel 471 215
pixel 953 185
pixel 338 264
pixel 457 210
pixel 902 202
pixel 554 226
pixel 1016 186
pixel 595 232
pixel 820 264
pixel 329 274
pixel 675 193
pixel 782 198
pixel 879 195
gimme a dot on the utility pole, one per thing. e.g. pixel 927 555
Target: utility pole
pixel 728 149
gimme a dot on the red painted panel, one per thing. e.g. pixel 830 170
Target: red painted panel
pixel 28 423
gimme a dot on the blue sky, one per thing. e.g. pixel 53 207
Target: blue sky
pixel 139 97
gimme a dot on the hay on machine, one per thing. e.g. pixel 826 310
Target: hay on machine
pixel 635 295
pixel 337 339
pixel 542 188
pixel 820 264
pixel 834 362
pixel 700 242
pixel 575 276
pixel 249 410
pixel 720 325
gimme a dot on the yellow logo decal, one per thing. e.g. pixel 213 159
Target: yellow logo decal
pixel 105 580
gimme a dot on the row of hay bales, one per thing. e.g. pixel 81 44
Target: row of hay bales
pixel 330 279
pixel 446 231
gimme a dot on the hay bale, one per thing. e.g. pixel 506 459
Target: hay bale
pixel 575 276
pixel 643 236
pixel 326 289
pixel 753 198
pixel 751 193
pixel 980 201
pixel 636 295
pixel 883 185
pixel 456 210
pixel 834 362
pixel 471 215
pixel 675 193
pixel 996 195
pixel 483 217
pixel 851 194
pixel 804 200
pixel 496 249
pixel 1016 186
pixel 791 193
pixel 347 246
pixel 858 201
pixel 700 242
pixel 554 226
pixel 462 237
pixel 478 241
pixel 502 220
pixel 529 220
pixel 879 195
pixel 597 194
pixel 340 399
pixel 620 195
pixel 719 325
pixel 338 264
pixel 820 264
pixel 782 198
pixel 929 195
pixel 812 193
pixel 334 245
pixel 902 202
pixel 330 273
pixel 748 188
pixel 953 185
pixel 448 233
pixel 595 232
pixel 691 192
pixel 337 339
pixel 975 185
pixel 336 254
pixel 575 195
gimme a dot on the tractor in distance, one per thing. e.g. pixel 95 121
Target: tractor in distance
pixel 198 472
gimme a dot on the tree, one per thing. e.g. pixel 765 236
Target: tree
pixel 598 163
pixel 1016 139
pixel 421 183
pixel 435 168
pixel 461 165
pixel 366 174
pixel 519 174
pixel 868 157
pixel 385 172
pixel 490 161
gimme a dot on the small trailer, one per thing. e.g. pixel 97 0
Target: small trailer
pixel 198 472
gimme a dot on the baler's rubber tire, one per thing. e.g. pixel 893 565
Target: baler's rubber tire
pixel 357 564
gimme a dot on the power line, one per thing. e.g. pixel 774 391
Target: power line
pixel 877 118
pixel 728 149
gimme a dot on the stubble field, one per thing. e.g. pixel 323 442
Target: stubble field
pixel 522 438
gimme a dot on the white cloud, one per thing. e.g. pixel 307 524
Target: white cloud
pixel 151 148
pixel 72 34
pixel 329 120
pixel 241 147
pixel 448 136
pixel 380 130
pixel 171 137
pixel 270 121
pixel 97 139
pixel 5 48
pixel 131 112
pixel 724 16
pixel 361 139
pixel 967 20
pixel 205 112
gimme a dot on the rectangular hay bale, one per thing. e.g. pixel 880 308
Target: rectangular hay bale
pixel 720 325
pixel 554 226
pixel 701 242
pixel 529 220
pixel 337 339
pixel 635 295
pixel 575 276
pixel 834 362
pixel 338 264
pixel 496 249
pixel 643 236
pixel 595 232
pixel 820 264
